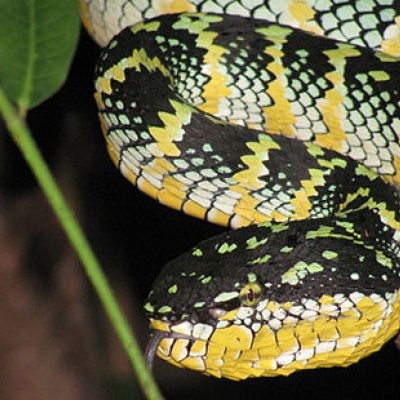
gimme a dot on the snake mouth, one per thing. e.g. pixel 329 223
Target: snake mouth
pixel 155 339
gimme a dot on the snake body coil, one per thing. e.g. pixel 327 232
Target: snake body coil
pixel 290 137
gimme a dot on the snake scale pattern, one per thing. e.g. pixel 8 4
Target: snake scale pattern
pixel 241 113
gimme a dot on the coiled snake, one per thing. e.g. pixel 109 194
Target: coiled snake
pixel 291 137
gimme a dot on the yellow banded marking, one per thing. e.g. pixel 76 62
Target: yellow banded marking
pixel 168 148
pixel 304 15
pixel 146 187
pixel 118 73
pixel 112 150
pixel 216 89
pixel 218 217
pixel 192 208
pixel 103 85
pixel 167 135
pixel 301 201
pixel 173 193
pixel 163 164
pixel 389 218
pixel 175 6
pixel 246 204
pixel 239 221
pixel 279 117
pixel 172 131
pixel 176 188
pixel 396 178
pixel 136 60
pixel 250 176
pixel 331 106
pixel 99 101
pixel 248 180
pixel 104 128
pixel 168 194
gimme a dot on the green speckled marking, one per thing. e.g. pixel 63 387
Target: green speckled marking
pixel 346 225
pixel 260 260
pixel 320 232
pixel 226 296
pixel 379 75
pixel 124 119
pixel 383 260
pixel 279 228
pixel 206 280
pixel 227 248
pixel 197 161
pixel 314 150
pixel 364 171
pixel 164 309
pixel 339 162
pixel 286 249
pixel 173 289
pixel 281 175
pixel 275 30
pixel 197 253
pixel 329 255
pixel 299 271
pixel 253 242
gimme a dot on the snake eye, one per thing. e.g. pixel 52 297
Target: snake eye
pixel 250 294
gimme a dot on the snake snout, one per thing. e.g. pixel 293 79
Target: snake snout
pixel 154 341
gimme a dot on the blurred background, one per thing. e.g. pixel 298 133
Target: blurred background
pixel 55 340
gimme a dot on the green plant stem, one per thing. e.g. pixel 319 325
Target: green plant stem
pixel 27 145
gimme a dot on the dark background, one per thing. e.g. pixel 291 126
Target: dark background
pixel 55 341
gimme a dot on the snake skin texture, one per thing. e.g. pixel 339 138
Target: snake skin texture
pixel 290 138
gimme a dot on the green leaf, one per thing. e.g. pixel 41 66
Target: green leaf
pixel 38 39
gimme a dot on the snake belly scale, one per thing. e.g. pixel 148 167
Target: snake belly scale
pixel 291 139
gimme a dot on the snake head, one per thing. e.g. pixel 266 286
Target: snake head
pixel 271 299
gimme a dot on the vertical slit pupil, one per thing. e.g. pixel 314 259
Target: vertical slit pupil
pixel 250 295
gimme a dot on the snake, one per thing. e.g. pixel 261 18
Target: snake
pixel 279 120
